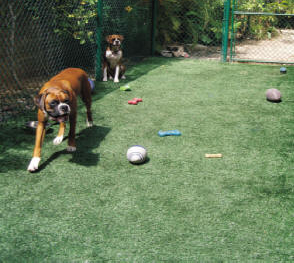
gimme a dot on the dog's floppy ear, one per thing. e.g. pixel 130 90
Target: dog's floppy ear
pixel 40 101
pixel 121 37
pixel 108 39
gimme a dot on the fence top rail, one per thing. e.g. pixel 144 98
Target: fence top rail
pixel 260 13
pixel 261 61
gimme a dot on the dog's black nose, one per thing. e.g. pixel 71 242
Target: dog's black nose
pixel 64 108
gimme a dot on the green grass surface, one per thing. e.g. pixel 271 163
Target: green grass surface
pixel 93 206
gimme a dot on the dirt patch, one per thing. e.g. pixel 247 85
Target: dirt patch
pixel 207 53
pixel 277 49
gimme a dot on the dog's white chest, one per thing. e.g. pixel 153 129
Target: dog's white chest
pixel 114 58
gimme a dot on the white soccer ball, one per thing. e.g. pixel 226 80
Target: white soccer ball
pixel 137 154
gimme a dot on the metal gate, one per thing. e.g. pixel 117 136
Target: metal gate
pixel 259 37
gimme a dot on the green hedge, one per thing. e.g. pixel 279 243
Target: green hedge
pixel 189 22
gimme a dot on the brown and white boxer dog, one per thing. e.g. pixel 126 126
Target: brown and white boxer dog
pixel 112 64
pixel 57 101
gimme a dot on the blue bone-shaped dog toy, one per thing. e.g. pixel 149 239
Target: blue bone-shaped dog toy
pixel 169 133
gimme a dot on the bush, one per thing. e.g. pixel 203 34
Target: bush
pixel 260 27
pixel 190 22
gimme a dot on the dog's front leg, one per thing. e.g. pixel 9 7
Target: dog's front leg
pixel 108 54
pixel 105 74
pixel 40 134
pixel 116 74
pixel 60 134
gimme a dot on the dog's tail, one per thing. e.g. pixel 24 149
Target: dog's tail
pixel 86 93
pixel 85 82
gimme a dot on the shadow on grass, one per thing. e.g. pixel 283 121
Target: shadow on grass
pixel 87 140
pixel 15 142
pixel 133 72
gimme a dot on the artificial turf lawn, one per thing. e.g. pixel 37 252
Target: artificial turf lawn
pixel 93 206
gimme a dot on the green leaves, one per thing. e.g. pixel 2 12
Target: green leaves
pixel 73 18
pixel 262 27
pixel 190 22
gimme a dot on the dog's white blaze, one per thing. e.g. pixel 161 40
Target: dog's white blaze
pixel 34 164
pixel 61 110
pixel 116 42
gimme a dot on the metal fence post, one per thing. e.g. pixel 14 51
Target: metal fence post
pixel 232 47
pixel 99 39
pixel 225 39
pixel 154 22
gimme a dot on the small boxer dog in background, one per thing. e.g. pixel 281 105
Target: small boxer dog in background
pixel 57 101
pixel 112 64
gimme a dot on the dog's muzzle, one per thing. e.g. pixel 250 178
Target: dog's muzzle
pixel 63 108
pixel 61 113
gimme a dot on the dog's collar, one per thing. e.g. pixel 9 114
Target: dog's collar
pixel 115 49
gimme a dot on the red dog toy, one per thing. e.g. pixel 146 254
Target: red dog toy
pixel 134 101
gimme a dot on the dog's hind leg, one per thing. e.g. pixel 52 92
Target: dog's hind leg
pixel 122 71
pixel 72 132
pixel 86 98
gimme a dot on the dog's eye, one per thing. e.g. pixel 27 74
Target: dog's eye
pixel 66 102
pixel 53 103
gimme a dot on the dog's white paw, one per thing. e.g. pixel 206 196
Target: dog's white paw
pixel 89 123
pixel 116 80
pixel 110 77
pixel 123 77
pixel 104 79
pixel 58 140
pixel 71 148
pixel 34 164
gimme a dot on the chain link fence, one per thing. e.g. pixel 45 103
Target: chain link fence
pixel 40 38
pixel 261 34
pixel 195 26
